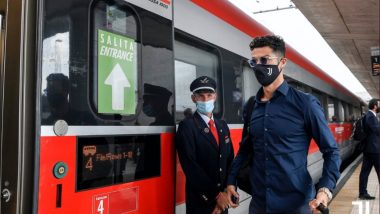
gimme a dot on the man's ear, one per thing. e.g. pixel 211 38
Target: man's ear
pixel 283 61
pixel 193 98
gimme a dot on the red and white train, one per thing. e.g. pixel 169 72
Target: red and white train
pixel 91 92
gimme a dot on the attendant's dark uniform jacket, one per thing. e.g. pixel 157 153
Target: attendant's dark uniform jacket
pixel 203 162
pixel 372 128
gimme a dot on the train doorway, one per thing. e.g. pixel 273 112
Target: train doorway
pixel 17 105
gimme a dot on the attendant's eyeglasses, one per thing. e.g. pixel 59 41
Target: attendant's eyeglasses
pixel 263 60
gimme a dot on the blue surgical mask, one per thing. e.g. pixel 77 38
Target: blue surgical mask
pixel 205 107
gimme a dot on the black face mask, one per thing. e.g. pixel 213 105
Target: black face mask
pixel 378 110
pixel 266 74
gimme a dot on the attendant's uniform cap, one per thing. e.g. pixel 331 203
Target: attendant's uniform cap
pixel 203 83
pixel 154 90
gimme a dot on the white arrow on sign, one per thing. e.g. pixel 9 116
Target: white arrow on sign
pixel 118 81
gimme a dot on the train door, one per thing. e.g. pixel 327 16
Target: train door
pixel 106 100
pixel 5 192
pixel 17 105
pixel 2 32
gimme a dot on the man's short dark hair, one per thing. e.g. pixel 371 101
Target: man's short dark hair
pixel 275 42
pixel 373 103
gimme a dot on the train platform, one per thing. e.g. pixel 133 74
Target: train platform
pixel 346 201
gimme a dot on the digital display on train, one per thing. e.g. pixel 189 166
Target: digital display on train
pixel 103 161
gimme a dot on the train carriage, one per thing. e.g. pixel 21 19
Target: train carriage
pixel 92 90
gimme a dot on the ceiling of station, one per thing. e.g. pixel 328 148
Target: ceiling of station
pixel 351 28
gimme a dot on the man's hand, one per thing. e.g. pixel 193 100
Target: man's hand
pixel 321 198
pixel 231 192
pixel 222 201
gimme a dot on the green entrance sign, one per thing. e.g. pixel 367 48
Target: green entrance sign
pixel 117 71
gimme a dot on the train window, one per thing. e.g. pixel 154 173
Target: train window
pixel 293 83
pixel 55 99
pixel 342 111
pixel 114 59
pixel 350 109
pixel 193 60
pixel 319 95
pixel 357 113
pixel 93 72
pixel 106 161
pixel 297 85
pixel 250 83
pixel 346 112
pixel 302 87
pixel 331 110
pixel 351 115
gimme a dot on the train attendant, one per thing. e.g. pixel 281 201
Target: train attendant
pixel 205 151
pixel 282 124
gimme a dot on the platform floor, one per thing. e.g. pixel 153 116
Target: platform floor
pixel 343 201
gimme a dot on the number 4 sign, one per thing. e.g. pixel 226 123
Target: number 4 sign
pixel 101 204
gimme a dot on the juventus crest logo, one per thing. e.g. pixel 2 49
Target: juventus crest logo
pixel 269 71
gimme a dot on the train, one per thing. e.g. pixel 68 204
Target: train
pixel 92 90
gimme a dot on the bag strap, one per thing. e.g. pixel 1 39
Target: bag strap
pixel 363 123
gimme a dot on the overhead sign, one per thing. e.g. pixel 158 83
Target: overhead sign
pixel 375 65
pixel 117 73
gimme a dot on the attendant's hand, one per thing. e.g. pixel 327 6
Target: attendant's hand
pixel 321 198
pixel 232 192
pixel 222 201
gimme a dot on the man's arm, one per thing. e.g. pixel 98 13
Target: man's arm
pixel 323 137
pixel 320 132
pixel 195 175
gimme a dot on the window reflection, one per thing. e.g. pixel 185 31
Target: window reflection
pixel 191 62
pixel 70 51
pixel 331 110
pixel 55 83
pixel 55 56
pixel 155 104
pixel 250 83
